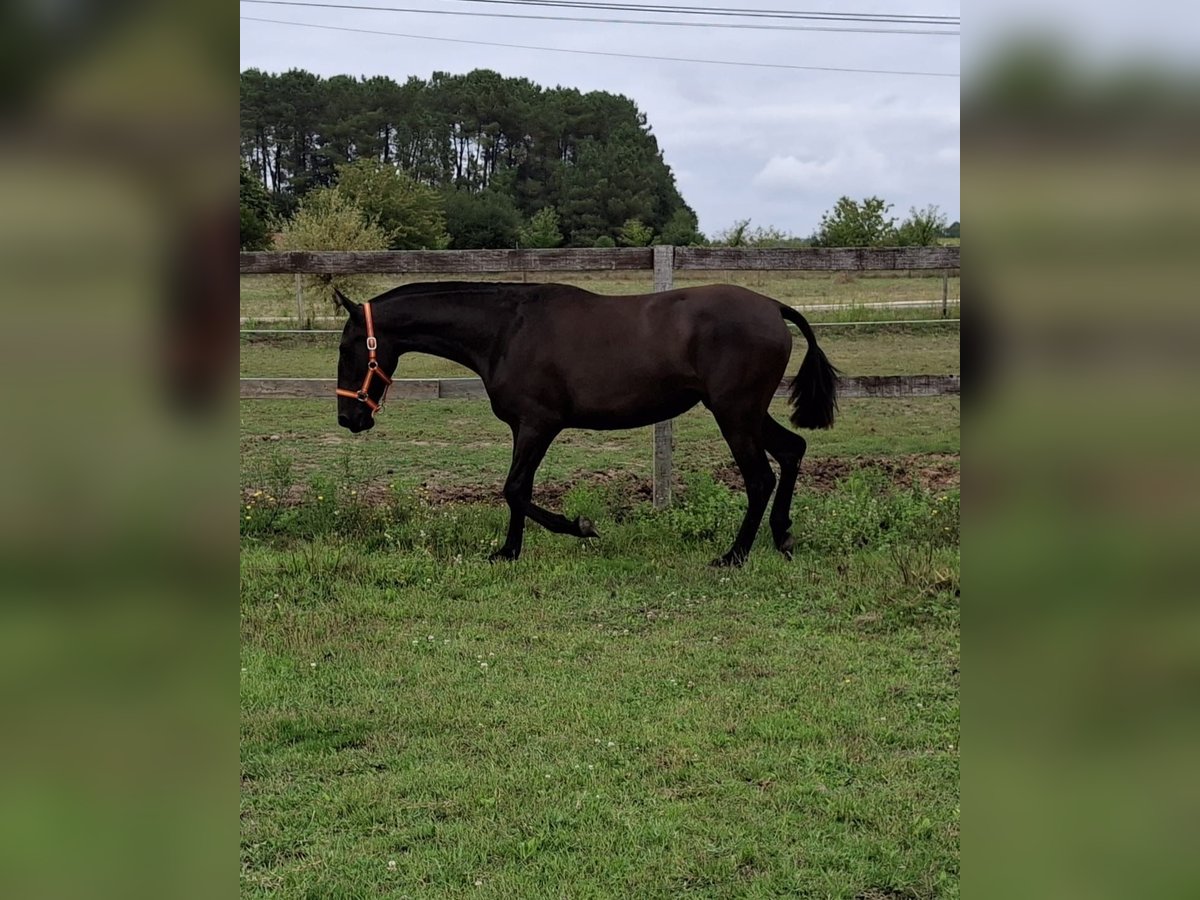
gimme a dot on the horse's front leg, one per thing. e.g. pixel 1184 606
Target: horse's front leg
pixel 529 449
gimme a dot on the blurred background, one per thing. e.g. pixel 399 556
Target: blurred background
pixel 1082 632
pixel 118 630
pixel 118 483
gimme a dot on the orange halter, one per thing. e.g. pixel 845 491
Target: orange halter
pixel 373 369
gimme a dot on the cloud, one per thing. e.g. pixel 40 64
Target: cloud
pixel 789 172
pixel 947 154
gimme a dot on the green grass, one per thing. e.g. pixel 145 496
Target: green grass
pixel 603 719
pixel 460 443
pixel 275 295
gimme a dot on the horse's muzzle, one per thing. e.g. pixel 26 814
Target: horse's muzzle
pixel 356 427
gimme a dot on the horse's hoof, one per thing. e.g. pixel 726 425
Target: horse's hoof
pixel 728 561
pixel 504 555
pixel 786 546
pixel 586 528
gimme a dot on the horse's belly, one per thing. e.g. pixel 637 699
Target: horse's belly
pixel 613 415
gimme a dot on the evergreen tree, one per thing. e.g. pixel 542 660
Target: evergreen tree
pixel 591 156
pixel 542 230
pixel 256 215
pixel 489 220
pixel 635 233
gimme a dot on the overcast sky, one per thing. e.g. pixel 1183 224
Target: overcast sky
pixel 777 146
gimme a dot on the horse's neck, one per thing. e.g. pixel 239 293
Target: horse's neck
pixel 462 326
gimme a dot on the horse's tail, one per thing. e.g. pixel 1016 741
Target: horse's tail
pixel 814 389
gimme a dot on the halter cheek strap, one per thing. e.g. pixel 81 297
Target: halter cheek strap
pixel 373 370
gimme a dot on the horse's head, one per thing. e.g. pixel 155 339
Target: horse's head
pixel 363 368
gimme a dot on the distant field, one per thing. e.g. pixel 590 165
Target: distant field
pixel 275 295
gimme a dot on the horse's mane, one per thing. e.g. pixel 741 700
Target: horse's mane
pixel 425 288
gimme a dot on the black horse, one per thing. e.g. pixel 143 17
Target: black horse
pixel 553 356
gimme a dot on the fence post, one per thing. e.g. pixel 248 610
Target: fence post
pixel 664 263
pixel 945 293
pixel 299 302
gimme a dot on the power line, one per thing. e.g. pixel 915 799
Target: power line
pixel 666 9
pixel 712 62
pixel 599 21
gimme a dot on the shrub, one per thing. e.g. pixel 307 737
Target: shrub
pixel 706 510
pixel 328 220
pixel 542 230
pixel 635 233
pixel 481 221
pixel 411 215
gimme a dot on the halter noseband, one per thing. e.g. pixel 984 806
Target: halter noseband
pixel 373 369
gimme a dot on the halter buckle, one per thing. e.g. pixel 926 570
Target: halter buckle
pixel 372 344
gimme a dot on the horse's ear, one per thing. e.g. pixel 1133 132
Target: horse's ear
pixel 349 305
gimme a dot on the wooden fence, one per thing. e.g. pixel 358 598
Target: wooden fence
pixel 662 261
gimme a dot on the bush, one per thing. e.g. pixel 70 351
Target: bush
pixel 681 230
pixel 328 220
pixel 411 215
pixel 706 510
pixel 635 233
pixel 922 228
pixel 605 242
pixel 866 511
pixel 740 234
pixel 481 221
pixel 851 224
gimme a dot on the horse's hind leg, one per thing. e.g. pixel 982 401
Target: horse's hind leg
pixel 788 449
pixel 745 440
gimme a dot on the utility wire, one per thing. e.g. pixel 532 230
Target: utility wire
pixel 712 62
pixel 590 20
pixel 666 9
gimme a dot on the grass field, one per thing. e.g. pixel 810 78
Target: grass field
pixel 893 351
pixel 611 719
pixel 601 719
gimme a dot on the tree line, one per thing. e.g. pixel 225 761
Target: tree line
pixel 494 161
pixel 483 161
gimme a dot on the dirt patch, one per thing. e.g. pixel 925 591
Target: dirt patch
pixel 932 472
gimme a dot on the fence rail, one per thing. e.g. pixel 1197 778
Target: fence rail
pixel 478 262
pixel 663 261
pixel 799 307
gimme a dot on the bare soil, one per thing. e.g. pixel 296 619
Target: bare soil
pixel 933 472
